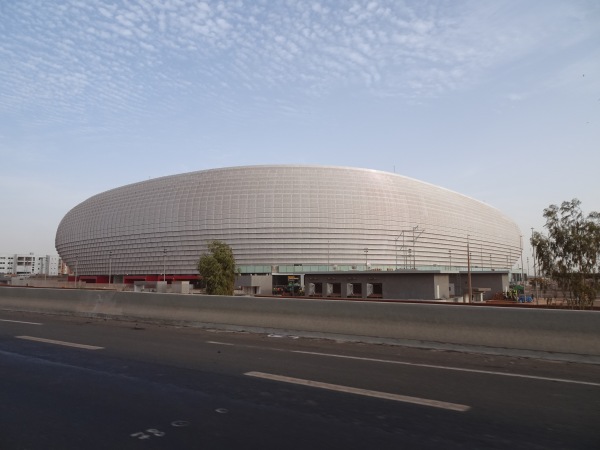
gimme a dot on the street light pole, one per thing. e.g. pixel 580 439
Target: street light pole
pixel 366 258
pixel 414 242
pixel 414 252
pixel 481 256
pixel 109 265
pixel 522 266
pixel 76 267
pixel 450 255
pixel 44 268
pixel 470 285
pixel 164 264
pixel 396 246
pixel 534 270
pixel 403 248
pixel 404 251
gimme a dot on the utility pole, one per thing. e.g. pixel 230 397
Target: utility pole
pixel 534 270
pixel 404 251
pixel 481 259
pixel 109 265
pixel 396 247
pixel 414 252
pixel 469 284
pixel 76 267
pixel 164 264
pixel 522 266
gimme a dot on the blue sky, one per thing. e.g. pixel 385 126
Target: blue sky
pixel 498 100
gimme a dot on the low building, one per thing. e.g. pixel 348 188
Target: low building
pixel 406 285
pixel 29 264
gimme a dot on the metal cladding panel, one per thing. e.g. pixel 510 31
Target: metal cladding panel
pixel 278 215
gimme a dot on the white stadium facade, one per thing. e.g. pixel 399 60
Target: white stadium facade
pixel 283 220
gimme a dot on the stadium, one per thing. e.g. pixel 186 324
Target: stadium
pixel 283 220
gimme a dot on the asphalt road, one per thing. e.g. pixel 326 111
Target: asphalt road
pixel 73 383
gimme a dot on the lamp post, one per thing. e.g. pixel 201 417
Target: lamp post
pixel 164 263
pixel 469 283
pixel 522 265
pixel 450 256
pixel 366 250
pixel 481 259
pixel 76 267
pixel 414 249
pixel 414 252
pixel 44 268
pixel 396 246
pixel 534 270
pixel 404 251
pixel 491 267
pixel 109 265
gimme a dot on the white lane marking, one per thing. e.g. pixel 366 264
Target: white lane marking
pixel 364 392
pixel 219 343
pixel 19 321
pixel 66 344
pixel 457 369
pixel 429 366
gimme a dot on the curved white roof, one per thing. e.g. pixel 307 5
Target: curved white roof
pixel 313 216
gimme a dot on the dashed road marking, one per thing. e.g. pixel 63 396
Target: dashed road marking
pixel 66 344
pixel 20 321
pixel 364 392
pixel 219 343
pixel 457 369
pixel 427 366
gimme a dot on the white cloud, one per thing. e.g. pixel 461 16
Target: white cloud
pixel 89 57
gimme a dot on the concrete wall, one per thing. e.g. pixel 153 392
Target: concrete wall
pixel 495 281
pixel 401 286
pixel 441 285
pixel 573 332
pixel 255 284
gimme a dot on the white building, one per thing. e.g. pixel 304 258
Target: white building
pixel 287 220
pixel 29 264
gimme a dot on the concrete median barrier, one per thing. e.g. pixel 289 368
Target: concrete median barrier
pixel 560 331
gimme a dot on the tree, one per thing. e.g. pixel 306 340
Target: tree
pixel 217 268
pixel 570 253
